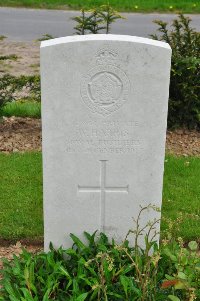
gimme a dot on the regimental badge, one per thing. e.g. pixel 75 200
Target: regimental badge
pixel 105 88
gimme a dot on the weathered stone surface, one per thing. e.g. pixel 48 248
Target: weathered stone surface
pixel 104 110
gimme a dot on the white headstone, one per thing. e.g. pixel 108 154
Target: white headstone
pixel 104 116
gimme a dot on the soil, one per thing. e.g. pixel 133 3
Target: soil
pixel 20 135
pixel 27 61
pixel 8 251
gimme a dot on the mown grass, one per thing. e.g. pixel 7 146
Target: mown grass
pixel 21 195
pixel 184 6
pixel 181 195
pixel 22 109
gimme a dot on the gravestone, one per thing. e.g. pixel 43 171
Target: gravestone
pixel 104 116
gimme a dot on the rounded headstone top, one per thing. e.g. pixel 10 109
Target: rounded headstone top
pixel 104 37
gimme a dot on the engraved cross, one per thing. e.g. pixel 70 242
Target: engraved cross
pixel 102 188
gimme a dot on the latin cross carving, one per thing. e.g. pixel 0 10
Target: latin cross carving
pixel 102 188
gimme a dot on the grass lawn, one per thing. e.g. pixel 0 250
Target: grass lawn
pixel 185 6
pixel 21 195
pixel 24 109
pixel 181 194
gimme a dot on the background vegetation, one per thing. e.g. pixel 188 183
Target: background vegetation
pixel 184 92
pixel 184 6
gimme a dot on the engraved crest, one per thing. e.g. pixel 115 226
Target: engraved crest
pixel 106 56
pixel 105 88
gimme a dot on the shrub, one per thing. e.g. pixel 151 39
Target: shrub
pixel 96 20
pixel 103 270
pixel 184 94
pixel 11 87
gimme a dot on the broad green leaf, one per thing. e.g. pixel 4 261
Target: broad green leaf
pixel 64 271
pixel 170 255
pixel 124 281
pixel 197 267
pixel 68 285
pixel 182 275
pixel 193 245
pixel 168 277
pixel 77 241
pixel 26 273
pixel 128 269
pixel 180 285
pixel 94 295
pixel 9 288
pixel 27 294
pixel 82 297
pixel 115 295
pixel 173 298
pixel 46 296
pixel 12 298
pixel 70 252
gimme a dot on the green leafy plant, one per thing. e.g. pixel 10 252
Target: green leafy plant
pixel 109 16
pixel 2 37
pixel 12 57
pixel 10 86
pixel 96 20
pixel 104 270
pixel 45 37
pixel 184 95
pixel 82 23
pixel 185 264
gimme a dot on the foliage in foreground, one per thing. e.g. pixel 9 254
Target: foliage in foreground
pixel 184 94
pixel 11 88
pixel 103 270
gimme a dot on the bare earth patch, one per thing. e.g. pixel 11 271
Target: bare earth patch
pixel 8 251
pixel 28 57
pixel 183 142
pixel 20 135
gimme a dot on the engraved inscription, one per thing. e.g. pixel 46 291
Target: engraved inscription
pixel 107 137
pixel 102 188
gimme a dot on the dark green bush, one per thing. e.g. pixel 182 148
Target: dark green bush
pixel 11 87
pixel 184 95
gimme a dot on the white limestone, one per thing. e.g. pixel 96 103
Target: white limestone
pixel 104 113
